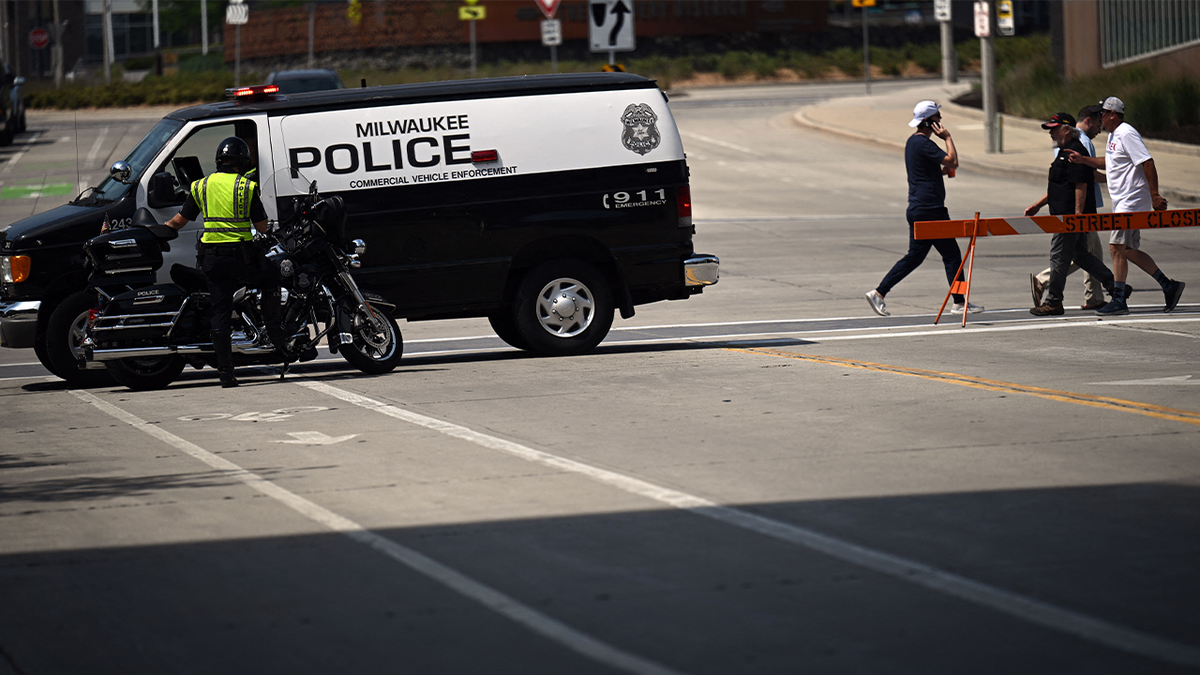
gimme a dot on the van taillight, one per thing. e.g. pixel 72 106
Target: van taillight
pixel 683 205
pixel 484 156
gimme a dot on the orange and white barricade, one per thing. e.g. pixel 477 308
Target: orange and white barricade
pixel 995 227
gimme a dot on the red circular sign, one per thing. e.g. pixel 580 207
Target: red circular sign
pixel 39 38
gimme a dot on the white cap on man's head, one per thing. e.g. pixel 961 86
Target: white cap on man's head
pixel 923 110
pixel 1114 104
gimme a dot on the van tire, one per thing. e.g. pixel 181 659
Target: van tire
pixel 64 332
pixel 549 292
pixel 505 327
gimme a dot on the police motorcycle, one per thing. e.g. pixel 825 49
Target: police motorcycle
pixel 146 335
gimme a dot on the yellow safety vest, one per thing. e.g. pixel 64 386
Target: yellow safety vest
pixel 224 201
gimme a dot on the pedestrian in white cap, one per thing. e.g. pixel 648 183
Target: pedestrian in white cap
pixel 1133 186
pixel 925 163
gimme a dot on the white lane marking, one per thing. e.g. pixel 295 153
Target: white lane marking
pixel 487 596
pixel 1170 381
pixel 315 438
pixel 8 167
pixel 1022 607
pixel 823 334
pixel 91 156
pixel 714 141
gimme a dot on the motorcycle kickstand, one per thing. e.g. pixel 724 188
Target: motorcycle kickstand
pixel 283 370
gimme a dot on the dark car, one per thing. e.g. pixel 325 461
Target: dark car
pixel 300 81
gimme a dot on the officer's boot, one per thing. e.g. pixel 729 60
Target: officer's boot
pixel 272 315
pixel 224 354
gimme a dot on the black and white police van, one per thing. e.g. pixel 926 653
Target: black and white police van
pixel 544 203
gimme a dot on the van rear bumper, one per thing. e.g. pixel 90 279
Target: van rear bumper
pixel 701 270
pixel 18 323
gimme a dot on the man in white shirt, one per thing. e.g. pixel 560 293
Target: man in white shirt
pixel 1133 186
pixel 1093 291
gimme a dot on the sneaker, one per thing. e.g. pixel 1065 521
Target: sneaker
pixel 970 308
pixel 1036 287
pixel 1173 291
pixel 1116 307
pixel 1049 308
pixel 228 380
pixel 877 303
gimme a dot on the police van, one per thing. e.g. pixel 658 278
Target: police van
pixel 544 203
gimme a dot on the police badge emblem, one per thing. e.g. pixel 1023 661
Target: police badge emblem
pixel 640 135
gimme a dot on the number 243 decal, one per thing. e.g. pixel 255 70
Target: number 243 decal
pixel 627 200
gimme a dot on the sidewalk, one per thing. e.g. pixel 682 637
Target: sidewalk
pixel 884 118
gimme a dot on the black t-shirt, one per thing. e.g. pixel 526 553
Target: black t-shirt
pixel 923 160
pixel 191 210
pixel 1064 176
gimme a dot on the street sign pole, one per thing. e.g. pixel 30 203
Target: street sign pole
pixel 985 20
pixel 866 52
pixel 942 12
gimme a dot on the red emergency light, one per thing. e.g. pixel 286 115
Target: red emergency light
pixel 478 156
pixel 257 92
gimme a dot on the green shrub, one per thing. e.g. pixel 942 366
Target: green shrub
pixel 848 60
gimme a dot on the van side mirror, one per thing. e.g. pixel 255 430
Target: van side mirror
pixel 161 191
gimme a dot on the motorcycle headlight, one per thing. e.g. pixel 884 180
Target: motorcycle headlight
pixel 360 246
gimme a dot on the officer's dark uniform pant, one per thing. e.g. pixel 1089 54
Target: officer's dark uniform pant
pixel 228 267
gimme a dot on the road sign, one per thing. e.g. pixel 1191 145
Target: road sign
pixel 983 22
pixel 941 10
pixel 551 33
pixel 472 13
pixel 610 26
pixel 237 15
pixel 1005 25
pixel 39 38
pixel 548 7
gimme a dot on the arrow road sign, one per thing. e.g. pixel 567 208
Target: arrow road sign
pixel 610 26
pixel 315 438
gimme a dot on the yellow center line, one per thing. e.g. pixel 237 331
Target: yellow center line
pixel 1156 411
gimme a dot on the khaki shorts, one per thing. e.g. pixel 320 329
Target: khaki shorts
pixel 1132 239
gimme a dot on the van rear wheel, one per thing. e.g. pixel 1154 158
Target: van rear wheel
pixel 563 308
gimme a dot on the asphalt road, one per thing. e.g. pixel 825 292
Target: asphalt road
pixel 766 478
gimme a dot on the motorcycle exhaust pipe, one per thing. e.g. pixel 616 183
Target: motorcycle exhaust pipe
pixel 93 354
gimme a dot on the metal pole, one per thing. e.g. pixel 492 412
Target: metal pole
pixel 312 30
pixel 58 50
pixel 949 67
pixel 154 11
pixel 237 55
pixel 866 52
pixel 204 26
pixel 553 59
pixel 612 58
pixel 472 22
pixel 108 42
pixel 988 53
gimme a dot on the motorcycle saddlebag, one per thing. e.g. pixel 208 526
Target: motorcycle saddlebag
pixel 132 251
pixel 144 313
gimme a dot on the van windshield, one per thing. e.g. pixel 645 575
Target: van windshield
pixel 112 190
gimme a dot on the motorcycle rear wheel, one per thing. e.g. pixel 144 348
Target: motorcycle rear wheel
pixel 146 373
pixel 373 352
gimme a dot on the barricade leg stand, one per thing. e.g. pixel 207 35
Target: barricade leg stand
pixel 962 287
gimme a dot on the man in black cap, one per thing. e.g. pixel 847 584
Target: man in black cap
pixel 1068 191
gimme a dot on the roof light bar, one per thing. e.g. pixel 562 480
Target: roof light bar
pixel 258 91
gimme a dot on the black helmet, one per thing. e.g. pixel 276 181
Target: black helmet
pixel 233 153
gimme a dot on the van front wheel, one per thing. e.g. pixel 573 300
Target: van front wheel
pixel 563 308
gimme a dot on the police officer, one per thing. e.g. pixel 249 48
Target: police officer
pixel 231 206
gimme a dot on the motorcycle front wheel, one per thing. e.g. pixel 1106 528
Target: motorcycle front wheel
pixel 372 351
pixel 146 373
